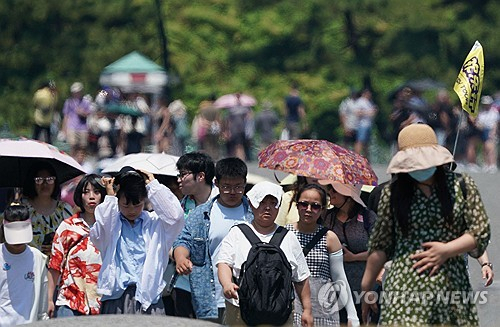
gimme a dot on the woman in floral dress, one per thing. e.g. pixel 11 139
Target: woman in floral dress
pixel 75 262
pixel 425 225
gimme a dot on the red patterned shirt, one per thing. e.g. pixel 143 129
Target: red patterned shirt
pixel 79 262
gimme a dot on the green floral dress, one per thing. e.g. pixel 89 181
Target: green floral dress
pixel 413 299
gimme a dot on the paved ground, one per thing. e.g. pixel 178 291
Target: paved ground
pixel 488 185
pixel 124 321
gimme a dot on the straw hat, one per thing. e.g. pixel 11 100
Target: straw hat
pixel 352 191
pixel 418 149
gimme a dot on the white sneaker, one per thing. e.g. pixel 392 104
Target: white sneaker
pixel 492 169
pixel 473 168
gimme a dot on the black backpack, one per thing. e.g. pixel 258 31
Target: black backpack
pixel 265 284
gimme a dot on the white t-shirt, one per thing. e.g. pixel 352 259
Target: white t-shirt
pixel 235 247
pixel 17 286
pixel 365 110
pixel 221 220
pixel 487 119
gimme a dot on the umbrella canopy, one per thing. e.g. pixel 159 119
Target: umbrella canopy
pixel 318 159
pixel 18 156
pixel 235 99
pixel 134 73
pixel 123 109
pixel 155 163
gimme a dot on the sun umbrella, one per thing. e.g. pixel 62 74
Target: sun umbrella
pixel 235 99
pixel 123 109
pixel 18 156
pixel 318 159
pixel 155 163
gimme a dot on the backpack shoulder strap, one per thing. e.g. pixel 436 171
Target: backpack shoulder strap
pixel 278 236
pixel 314 240
pixel 249 234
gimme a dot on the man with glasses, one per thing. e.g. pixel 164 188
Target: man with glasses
pixel 195 178
pixel 197 247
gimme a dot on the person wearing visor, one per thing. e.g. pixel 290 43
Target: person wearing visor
pixel 23 273
pixel 352 222
pixel 425 225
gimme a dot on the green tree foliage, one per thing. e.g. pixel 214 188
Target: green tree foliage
pixel 253 46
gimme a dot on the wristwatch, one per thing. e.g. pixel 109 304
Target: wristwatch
pixel 489 264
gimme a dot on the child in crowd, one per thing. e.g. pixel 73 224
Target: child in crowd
pixel 134 243
pixel 23 277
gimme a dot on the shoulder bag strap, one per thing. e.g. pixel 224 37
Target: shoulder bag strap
pixel 314 240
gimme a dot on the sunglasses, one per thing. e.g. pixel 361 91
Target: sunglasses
pixel 303 205
pixel 49 180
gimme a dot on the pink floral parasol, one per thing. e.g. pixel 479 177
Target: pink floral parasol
pixel 318 159
pixel 235 99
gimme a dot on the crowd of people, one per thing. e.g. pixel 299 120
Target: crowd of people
pixel 112 124
pixel 130 245
pixel 203 246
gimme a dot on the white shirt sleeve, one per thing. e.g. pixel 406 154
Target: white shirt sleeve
pixel 107 216
pixel 227 252
pixel 300 270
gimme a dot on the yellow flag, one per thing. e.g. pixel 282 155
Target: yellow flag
pixel 470 80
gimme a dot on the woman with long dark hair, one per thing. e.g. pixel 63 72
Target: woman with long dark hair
pixel 352 222
pixel 425 225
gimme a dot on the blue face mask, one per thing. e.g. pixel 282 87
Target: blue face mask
pixel 423 174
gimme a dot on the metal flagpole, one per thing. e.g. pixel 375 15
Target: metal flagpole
pixel 458 132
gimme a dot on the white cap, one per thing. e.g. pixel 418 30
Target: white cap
pixel 18 232
pixel 263 189
pixel 487 99
pixel 76 87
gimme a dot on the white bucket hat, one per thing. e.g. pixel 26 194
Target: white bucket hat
pixel 263 189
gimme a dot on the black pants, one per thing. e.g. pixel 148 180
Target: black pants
pixel 126 304
pixel 37 131
pixel 179 304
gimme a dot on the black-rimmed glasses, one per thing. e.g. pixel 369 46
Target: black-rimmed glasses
pixel 183 174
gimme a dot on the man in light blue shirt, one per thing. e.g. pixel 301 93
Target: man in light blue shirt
pixel 196 248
